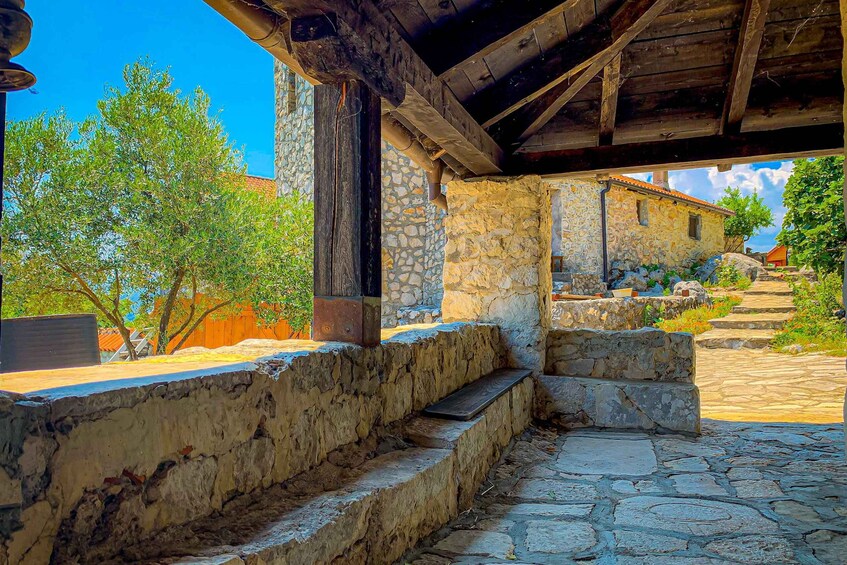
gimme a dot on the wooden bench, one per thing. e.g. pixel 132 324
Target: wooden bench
pixel 466 403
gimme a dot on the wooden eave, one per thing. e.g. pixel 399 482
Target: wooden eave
pixel 573 87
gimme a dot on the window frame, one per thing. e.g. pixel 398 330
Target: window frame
pixel 698 226
pixel 642 211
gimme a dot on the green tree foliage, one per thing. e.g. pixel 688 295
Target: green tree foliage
pixel 813 227
pixel 141 210
pixel 751 213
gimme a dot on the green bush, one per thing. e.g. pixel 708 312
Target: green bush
pixel 816 326
pixel 729 276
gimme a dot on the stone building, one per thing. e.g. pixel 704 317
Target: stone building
pixel 645 224
pixel 413 231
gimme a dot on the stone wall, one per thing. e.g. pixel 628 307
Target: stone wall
pixel 497 261
pixel 294 150
pixel 665 239
pixel 578 235
pixel 617 313
pixel 647 354
pixel 88 470
pixel 412 228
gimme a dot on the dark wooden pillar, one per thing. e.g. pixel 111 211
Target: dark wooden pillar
pixel 348 254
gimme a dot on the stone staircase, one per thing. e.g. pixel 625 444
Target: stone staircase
pixel 623 380
pixel 765 309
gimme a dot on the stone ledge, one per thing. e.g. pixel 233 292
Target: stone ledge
pixel 170 449
pixel 373 516
pixel 617 313
pixel 578 402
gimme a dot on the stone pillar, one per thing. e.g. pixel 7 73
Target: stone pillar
pixel 497 261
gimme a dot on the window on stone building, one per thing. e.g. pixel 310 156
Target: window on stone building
pixel 291 91
pixel 694 225
pixel 643 215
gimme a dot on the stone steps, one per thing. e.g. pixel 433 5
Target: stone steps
pixel 751 321
pixel 775 309
pixel 579 402
pixel 371 513
pixel 735 338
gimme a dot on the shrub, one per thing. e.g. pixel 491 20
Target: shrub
pixel 818 324
pixel 728 276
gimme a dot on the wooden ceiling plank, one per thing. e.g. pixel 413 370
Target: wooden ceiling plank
pixel 632 18
pixel 593 46
pixel 696 152
pixel 361 43
pixel 609 100
pixel 482 30
pixel 744 65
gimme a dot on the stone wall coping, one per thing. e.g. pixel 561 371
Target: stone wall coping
pixel 88 398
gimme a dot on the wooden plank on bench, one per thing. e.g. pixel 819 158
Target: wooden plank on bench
pixel 467 402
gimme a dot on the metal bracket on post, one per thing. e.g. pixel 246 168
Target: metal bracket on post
pixel 351 319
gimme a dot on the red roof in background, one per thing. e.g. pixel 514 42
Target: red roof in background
pixel 110 339
pixel 261 185
pixel 670 193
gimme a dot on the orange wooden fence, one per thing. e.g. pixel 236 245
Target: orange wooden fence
pixel 214 333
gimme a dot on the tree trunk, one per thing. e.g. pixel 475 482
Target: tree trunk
pixel 126 335
pixel 167 310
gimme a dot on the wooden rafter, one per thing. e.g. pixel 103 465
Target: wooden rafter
pixel 609 100
pixel 533 80
pixel 630 20
pixel 483 29
pixel 790 143
pixel 744 64
pixel 357 42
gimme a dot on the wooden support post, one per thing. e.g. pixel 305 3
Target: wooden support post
pixel 348 256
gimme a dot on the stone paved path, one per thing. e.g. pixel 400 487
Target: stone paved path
pixel 763 386
pixel 740 493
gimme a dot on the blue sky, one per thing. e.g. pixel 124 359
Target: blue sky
pixel 79 46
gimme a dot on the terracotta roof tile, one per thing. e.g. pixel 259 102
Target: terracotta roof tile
pixel 261 185
pixel 671 193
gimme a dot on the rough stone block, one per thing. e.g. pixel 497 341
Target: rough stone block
pixel 576 402
pixel 647 354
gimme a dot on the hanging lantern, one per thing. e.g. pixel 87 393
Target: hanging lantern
pixel 15 32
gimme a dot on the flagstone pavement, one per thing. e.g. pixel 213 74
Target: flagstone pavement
pixel 765 483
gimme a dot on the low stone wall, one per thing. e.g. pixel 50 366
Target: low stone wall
pixel 647 354
pixel 617 313
pixel 630 379
pixel 87 470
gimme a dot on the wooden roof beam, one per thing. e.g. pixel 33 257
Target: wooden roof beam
pixel 744 64
pixel 544 87
pixel 696 152
pixel 333 41
pixel 483 29
pixel 609 100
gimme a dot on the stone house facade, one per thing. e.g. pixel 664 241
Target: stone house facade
pixel 646 224
pixel 412 232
